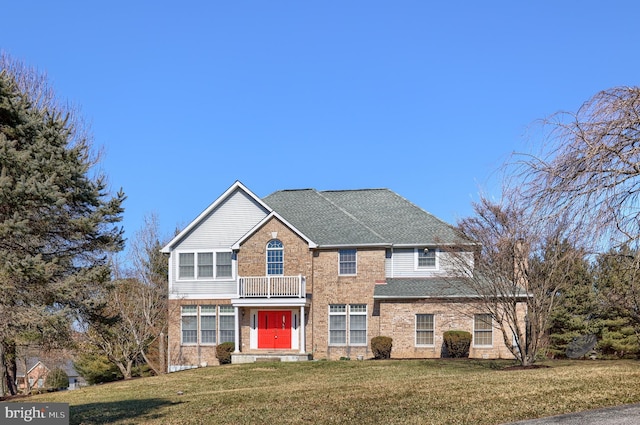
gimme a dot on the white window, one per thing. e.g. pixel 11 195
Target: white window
pixel 424 329
pixel 186 269
pixel 358 324
pixel 189 324
pixel 338 324
pixel 223 264
pixel 205 265
pixel 482 330
pixel 348 324
pixel 227 323
pixel 208 324
pixel 348 262
pixel 275 257
pixel 426 258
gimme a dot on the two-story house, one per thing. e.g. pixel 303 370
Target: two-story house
pixel 307 273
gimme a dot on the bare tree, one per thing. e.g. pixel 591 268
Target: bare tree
pixel 588 169
pixel 123 332
pixel 516 271
pixel 589 166
pixel 134 322
pixel 150 267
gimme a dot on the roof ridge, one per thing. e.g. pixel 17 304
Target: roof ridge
pixel 354 218
pixel 355 190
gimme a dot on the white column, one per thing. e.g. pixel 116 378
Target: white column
pixel 302 331
pixel 237 328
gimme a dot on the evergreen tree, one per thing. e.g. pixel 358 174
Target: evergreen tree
pixel 618 290
pixel 57 378
pixel 58 222
pixel 95 367
pixel 577 312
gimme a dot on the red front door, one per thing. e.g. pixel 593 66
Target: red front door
pixel 274 329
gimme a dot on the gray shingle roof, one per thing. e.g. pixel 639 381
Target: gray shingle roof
pixel 398 288
pixel 423 288
pixel 66 365
pixel 360 217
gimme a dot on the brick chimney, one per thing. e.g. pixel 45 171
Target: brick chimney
pixel 521 263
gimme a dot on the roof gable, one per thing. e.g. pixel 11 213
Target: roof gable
pixel 277 216
pixel 220 201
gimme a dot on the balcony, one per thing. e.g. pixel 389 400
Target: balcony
pixel 272 287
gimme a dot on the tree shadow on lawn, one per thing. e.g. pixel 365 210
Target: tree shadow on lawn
pixel 126 410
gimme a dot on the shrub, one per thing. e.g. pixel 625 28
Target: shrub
pixel 457 343
pixel 223 352
pixel 96 368
pixel 381 347
pixel 57 378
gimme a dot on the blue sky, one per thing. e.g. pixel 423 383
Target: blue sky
pixel 425 98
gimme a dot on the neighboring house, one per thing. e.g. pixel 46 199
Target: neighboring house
pixel 306 273
pixel 37 372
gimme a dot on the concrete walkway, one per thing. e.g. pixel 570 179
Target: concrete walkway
pixel 628 414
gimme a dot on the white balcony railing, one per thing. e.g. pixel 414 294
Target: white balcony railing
pixel 272 287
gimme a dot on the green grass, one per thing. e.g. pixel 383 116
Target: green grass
pixel 357 392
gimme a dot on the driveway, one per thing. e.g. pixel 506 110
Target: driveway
pixel 628 414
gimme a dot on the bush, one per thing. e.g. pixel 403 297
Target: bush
pixel 223 352
pixel 96 368
pixel 457 343
pixel 381 347
pixel 57 378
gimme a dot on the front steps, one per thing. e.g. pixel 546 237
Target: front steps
pixel 238 358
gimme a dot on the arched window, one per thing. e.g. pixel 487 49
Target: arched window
pixel 275 257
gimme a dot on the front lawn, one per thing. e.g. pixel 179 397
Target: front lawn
pixel 357 392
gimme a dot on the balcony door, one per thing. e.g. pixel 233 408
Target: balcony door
pixel 274 330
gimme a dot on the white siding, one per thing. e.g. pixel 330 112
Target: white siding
pixel 219 230
pixel 403 264
pixel 203 290
pixel 231 220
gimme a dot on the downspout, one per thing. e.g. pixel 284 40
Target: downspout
pixel 169 288
pixel 313 310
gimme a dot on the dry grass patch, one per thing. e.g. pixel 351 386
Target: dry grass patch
pixel 370 392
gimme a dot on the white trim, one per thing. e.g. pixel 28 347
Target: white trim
pixel 347 315
pixel 236 246
pixel 236 330
pixel 346 325
pixel 416 261
pixel 302 331
pixel 195 277
pixel 364 313
pixel 237 185
pixel 415 332
pixel 189 314
pixel 483 330
pixel 217 314
pixel 297 335
pixel 269 302
pixel 207 314
pixel 170 267
pixel 266 256
pixel 340 262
